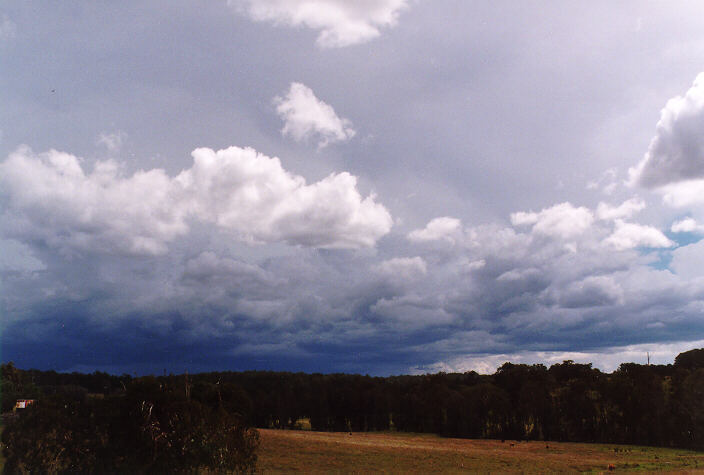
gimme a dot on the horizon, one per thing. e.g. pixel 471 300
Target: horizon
pixel 547 365
pixel 394 187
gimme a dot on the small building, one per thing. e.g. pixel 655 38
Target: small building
pixel 23 404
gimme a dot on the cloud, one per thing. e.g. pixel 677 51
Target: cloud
pixel 606 183
pixel 684 193
pixel 593 291
pixel 304 115
pixel 111 141
pixel 606 359
pixel 243 193
pixel 444 228
pixel 686 260
pixel 18 257
pixel 53 200
pixel 253 196
pixel 562 220
pixel 208 267
pixel 402 267
pixel 631 235
pixel 8 29
pixel 413 311
pixel 625 210
pixel 687 225
pixel 340 22
pixel 498 291
pixel 676 153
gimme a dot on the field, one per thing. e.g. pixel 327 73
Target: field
pixel 285 451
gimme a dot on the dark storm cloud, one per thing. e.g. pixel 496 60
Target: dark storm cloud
pixel 472 206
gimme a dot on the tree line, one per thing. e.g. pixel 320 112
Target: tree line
pixel 156 417
pixel 659 405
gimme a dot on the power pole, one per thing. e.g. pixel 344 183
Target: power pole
pixel 648 353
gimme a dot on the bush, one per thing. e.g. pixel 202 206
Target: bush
pixel 148 430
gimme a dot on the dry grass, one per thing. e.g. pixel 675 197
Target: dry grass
pixel 317 452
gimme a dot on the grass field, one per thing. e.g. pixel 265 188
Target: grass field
pixel 285 451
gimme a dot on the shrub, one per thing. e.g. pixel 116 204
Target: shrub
pixel 148 430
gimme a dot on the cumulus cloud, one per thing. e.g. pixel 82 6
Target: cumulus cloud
pixel 684 193
pixel 413 311
pixel 626 209
pixel 244 193
pixel 340 22
pixel 208 267
pixel 606 183
pixel 631 235
pixel 402 267
pixel 687 225
pixel 53 200
pixel 676 153
pixel 438 229
pixel 500 290
pixel 686 260
pixel 562 220
pixel 252 195
pixel 305 115
pixel 111 141
pixel 593 291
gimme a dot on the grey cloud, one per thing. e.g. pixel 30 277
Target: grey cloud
pixel 594 291
pixel 687 261
pixel 676 153
pixel 458 118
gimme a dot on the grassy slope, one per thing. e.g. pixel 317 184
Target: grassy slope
pixel 422 453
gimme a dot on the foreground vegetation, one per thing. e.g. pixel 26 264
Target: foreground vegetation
pixel 148 428
pixel 325 452
pixel 100 422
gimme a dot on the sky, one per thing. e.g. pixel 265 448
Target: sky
pixel 376 187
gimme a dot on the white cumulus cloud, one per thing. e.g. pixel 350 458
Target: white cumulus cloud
pixel 630 235
pixel 676 153
pixel 340 22
pixel 242 192
pixel 561 220
pixel 52 199
pixel 626 209
pixel 683 193
pixel 444 228
pixel 305 115
pixel 686 225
